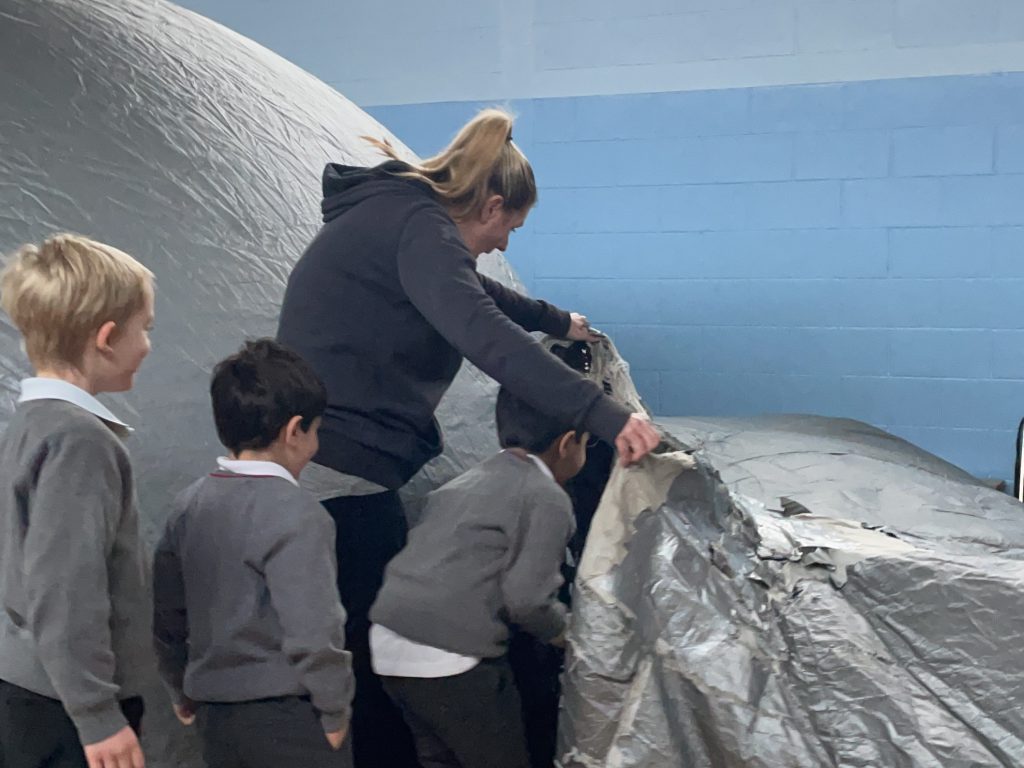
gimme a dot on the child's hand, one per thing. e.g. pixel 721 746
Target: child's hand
pixel 336 738
pixel 559 642
pixel 121 749
pixel 186 711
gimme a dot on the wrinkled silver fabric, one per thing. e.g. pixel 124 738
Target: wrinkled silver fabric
pixel 200 153
pixel 797 591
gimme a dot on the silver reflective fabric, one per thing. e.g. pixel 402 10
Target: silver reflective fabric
pixel 198 152
pixel 786 592
pixel 797 591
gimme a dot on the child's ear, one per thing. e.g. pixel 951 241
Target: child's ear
pixel 105 335
pixel 292 429
pixel 567 443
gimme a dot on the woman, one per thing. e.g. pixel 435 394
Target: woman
pixel 385 303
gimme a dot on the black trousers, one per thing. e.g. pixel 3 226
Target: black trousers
pixel 537 667
pixel 370 531
pixel 269 733
pixel 472 720
pixel 36 732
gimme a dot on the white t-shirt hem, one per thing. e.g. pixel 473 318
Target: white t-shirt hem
pixel 393 655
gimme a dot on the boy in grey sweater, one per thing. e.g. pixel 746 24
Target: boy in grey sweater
pixel 485 556
pixel 73 650
pixel 249 629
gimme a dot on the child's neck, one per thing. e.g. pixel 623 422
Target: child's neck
pixel 71 376
pixel 549 461
pixel 272 453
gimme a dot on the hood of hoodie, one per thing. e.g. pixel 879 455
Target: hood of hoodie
pixel 346 185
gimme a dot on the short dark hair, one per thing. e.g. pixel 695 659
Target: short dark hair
pixel 520 425
pixel 258 390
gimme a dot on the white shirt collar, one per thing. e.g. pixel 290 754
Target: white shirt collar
pixel 540 464
pixel 256 468
pixel 57 389
pixel 543 467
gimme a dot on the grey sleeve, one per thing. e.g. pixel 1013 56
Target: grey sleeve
pixel 531 581
pixel 170 622
pixel 299 567
pixel 439 277
pixel 529 314
pixel 73 516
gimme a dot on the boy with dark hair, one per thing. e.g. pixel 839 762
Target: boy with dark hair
pixel 249 629
pixel 485 556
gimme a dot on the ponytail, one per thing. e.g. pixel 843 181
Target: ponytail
pixel 481 161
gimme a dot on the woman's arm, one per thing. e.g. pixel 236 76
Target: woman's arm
pixel 536 315
pixel 529 314
pixel 440 279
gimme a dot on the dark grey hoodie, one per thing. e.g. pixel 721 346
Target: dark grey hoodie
pixel 384 304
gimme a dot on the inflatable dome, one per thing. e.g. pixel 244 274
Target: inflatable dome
pixel 198 152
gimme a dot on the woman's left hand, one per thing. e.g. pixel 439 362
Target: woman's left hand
pixel 580 330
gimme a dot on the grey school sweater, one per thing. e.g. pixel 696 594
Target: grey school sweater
pixel 75 620
pixel 246 599
pixel 486 553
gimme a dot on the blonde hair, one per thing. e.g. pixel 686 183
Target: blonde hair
pixel 482 160
pixel 60 293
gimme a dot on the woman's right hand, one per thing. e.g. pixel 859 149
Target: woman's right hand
pixel 637 439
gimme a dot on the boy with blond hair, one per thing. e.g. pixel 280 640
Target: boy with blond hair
pixel 73 612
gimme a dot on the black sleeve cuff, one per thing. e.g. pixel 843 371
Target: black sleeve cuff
pixel 555 321
pixel 606 418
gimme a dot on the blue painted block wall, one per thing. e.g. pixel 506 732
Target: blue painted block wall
pixel 854 249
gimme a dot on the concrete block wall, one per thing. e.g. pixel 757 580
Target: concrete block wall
pixel 411 52
pixel 849 249
pixel 795 206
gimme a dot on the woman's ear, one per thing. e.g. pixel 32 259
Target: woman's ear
pixel 493 207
